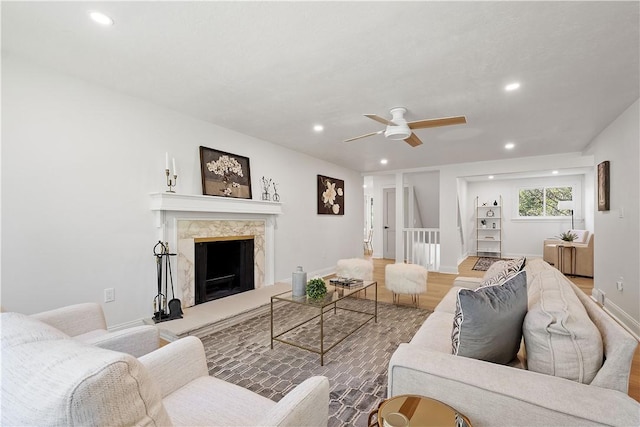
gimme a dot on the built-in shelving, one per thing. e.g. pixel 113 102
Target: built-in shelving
pixel 489 228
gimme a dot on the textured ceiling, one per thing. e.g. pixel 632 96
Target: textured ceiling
pixel 274 69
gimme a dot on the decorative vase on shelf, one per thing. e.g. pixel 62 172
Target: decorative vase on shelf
pixel 495 203
pixel 299 283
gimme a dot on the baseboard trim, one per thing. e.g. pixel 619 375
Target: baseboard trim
pixel 126 325
pixel 629 323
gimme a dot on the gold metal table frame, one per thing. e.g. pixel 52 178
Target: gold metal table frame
pixel 334 295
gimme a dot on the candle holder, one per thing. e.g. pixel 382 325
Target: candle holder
pixel 170 182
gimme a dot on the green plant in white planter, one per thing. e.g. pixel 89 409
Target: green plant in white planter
pixel 568 236
pixel 316 288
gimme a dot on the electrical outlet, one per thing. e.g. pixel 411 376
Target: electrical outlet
pixel 109 295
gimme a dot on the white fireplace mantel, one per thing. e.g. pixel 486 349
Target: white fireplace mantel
pixel 205 212
pixel 192 203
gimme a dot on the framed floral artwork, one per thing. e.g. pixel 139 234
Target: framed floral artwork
pixel 330 196
pixel 224 174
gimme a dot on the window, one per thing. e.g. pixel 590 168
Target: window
pixel 543 201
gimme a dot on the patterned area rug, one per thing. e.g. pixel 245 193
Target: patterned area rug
pixel 484 263
pixel 356 367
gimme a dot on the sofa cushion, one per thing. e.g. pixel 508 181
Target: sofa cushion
pixel 435 332
pixel 18 329
pixel 560 338
pixel 208 398
pixel 488 321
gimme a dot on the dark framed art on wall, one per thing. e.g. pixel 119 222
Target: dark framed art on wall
pixel 330 196
pixel 224 174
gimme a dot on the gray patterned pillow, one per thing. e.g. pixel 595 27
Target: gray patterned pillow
pixel 511 268
pixel 488 321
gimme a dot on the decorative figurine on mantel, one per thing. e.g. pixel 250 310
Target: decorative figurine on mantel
pixel 276 196
pixel 266 184
pixel 170 182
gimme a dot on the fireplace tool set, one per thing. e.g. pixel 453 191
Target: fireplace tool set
pixel 164 311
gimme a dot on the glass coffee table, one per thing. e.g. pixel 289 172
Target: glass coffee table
pixel 333 303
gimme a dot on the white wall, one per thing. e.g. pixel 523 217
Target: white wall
pixel 78 164
pixel 426 186
pixel 617 244
pixel 522 236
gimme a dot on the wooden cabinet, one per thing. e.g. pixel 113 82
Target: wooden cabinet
pixel 489 228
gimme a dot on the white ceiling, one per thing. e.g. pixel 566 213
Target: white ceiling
pixel 274 69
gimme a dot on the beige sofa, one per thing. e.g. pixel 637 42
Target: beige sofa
pixel 50 379
pixel 583 255
pixel 493 394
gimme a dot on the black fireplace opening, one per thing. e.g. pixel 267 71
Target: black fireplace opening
pixel 223 268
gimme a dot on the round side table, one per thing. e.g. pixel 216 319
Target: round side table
pixel 414 410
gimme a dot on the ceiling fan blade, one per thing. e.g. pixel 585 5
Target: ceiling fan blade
pixel 413 140
pixel 364 136
pixel 432 123
pixel 380 119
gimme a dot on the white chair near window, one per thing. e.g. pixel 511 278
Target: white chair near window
pixel 368 246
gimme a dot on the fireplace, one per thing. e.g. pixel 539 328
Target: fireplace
pixel 223 266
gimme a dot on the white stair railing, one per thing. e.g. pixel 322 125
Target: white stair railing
pixel 422 247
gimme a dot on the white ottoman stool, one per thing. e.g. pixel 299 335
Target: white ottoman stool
pixel 355 268
pixel 406 279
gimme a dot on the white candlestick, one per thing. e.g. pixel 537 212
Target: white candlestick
pixel 175 172
pixel 166 161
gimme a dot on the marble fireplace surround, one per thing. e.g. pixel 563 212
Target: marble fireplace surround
pixel 181 219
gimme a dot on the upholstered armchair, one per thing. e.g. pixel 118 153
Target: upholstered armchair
pixel 51 379
pixel 583 253
pixel 86 323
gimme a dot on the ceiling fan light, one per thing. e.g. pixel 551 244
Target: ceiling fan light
pixel 397 133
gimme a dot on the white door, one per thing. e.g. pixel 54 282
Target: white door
pixel 389 223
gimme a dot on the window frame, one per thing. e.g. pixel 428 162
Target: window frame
pixel 576 189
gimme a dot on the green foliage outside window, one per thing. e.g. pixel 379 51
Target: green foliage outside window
pixel 543 201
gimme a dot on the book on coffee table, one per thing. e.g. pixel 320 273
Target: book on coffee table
pixel 345 281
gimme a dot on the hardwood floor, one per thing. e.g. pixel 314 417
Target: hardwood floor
pixel 438 284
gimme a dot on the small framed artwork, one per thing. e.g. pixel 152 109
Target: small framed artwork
pixel 224 174
pixel 603 186
pixel 330 196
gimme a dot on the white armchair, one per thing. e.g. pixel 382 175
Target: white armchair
pixel 583 261
pixel 50 379
pixel 86 323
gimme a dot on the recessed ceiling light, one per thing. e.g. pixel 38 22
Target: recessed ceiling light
pixel 384 161
pixel 101 18
pixel 509 145
pixel 318 128
pixel 491 177
pixel 555 172
pixel 512 86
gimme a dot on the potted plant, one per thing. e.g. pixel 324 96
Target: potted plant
pixel 568 236
pixel 316 288
pixel 484 223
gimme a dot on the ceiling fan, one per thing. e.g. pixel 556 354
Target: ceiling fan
pixel 398 128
